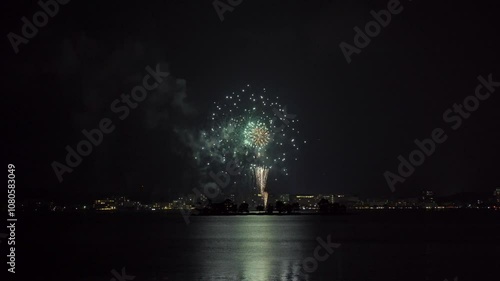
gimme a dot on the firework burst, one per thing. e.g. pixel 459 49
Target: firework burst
pixel 256 135
pixel 246 128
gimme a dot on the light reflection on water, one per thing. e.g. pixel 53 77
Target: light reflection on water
pixel 396 246
pixel 253 248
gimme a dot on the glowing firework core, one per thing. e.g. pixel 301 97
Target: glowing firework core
pixel 256 135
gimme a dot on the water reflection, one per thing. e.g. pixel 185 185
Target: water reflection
pixel 253 248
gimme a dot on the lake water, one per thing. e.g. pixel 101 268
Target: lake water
pixel 373 246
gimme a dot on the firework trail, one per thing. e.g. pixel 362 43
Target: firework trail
pixel 261 179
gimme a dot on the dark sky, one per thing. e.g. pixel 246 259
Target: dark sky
pixel 357 117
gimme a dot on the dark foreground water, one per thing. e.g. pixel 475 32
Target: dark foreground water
pixel 373 246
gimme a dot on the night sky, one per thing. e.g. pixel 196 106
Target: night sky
pixel 356 117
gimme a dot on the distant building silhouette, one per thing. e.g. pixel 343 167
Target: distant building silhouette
pixel 306 201
pixel 105 204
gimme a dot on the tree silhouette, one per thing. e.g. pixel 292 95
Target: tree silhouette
pixel 270 208
pixel 324 205
pixel 335 208
pixel 243 208
pixel 343 209
pixel 280 206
